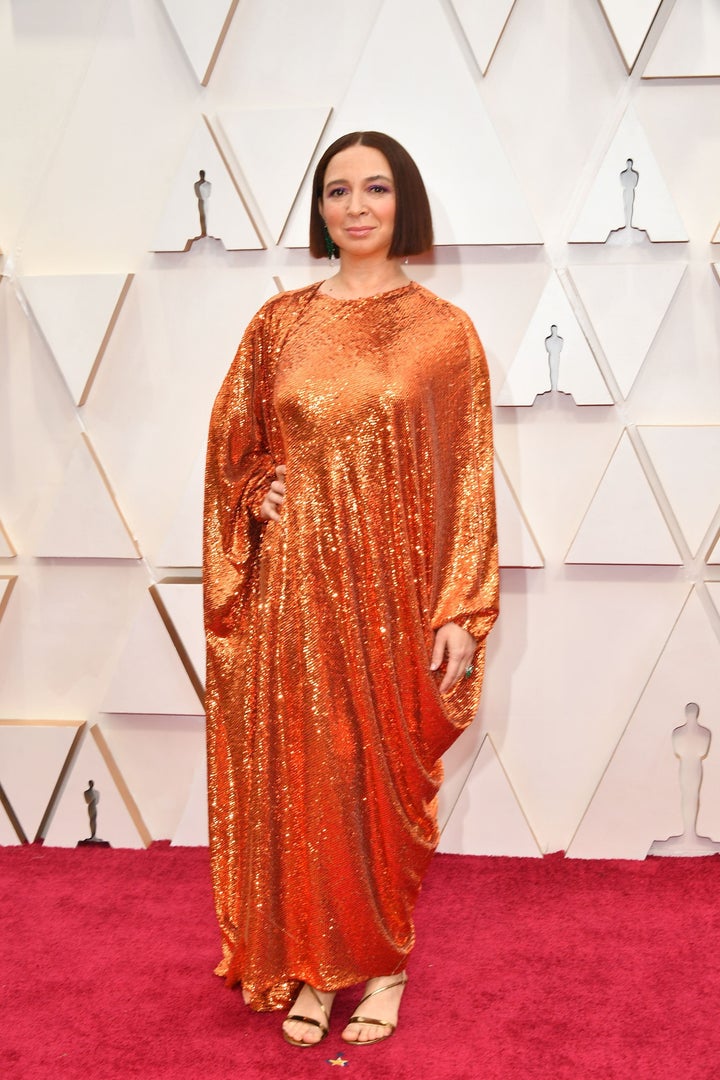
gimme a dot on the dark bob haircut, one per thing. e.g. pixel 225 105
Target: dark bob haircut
pixel 413 232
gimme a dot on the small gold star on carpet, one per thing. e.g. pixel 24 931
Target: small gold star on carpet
pixel 339 1060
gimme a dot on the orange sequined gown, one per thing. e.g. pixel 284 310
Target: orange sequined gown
pixel 325 725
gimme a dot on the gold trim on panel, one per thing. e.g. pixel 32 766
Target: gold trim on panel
pixel 182 652
pixel 220 42
pixel 236 185
pixel 483 71
pixel 8 543
pixel 713 542
pixel 104 343
pixel 525 522
pixel 123 790
pixel 11 579
pixel 106 481
pixel 12 817
pixel 499 38
pixel 511 787
pixel 611 28
pixel 69 760
pixel 310 165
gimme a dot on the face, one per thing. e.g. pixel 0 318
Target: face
pixel 358 202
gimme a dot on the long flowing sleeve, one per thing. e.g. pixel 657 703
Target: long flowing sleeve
pixel 240 465
pixel 238 472
pixel 465 586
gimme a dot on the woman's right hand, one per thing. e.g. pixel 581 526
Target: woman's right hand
pixel 272 503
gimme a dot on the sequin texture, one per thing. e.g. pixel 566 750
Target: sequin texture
pixel 325 725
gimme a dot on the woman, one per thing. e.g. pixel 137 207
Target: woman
pixel 350 583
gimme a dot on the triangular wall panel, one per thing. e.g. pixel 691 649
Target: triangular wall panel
pixel 487 818
pixel 85 521
pixel 32 758
pixel 76 314
pixel 630 22
pixel 714 555
pixel 8 834
pixel 483 25
pixel 201 28
pixel 274 148
pixel 181 605
pixel 158 757
pixel 193 828
pixel 638 798
pixel 226 218
pixel 653 210
pixel 150 676
pixel 578 373
pixel 165 365
pixel 440 119
pixel 7 584
pixel 183 543
pixel 713 588
pixel 689 46
pixel 516 544
pixel 118 821
pixel 624 523
pixel 7 551
pixel 626 304
pixel 687 461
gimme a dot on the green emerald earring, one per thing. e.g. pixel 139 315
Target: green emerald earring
pixel 332 250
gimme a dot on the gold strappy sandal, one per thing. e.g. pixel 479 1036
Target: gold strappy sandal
pixel 308 1020
pixel 358 1019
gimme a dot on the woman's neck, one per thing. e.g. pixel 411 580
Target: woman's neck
pixel 355 279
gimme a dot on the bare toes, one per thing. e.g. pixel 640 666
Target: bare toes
pixel 314 1005
pixel 301 1032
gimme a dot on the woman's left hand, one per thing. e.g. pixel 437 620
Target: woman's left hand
pixel 459 646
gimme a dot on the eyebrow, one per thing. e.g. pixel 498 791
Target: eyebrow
pixel 367 180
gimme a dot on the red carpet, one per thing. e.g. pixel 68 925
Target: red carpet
pixel 525 970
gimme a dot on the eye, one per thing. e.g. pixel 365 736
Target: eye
pixel 379 189
pixel 336 192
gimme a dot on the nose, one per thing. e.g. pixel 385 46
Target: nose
pixel 357 203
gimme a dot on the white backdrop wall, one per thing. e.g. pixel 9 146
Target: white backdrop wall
pixel 118 321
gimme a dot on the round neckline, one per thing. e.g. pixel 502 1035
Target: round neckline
pixel 363 299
